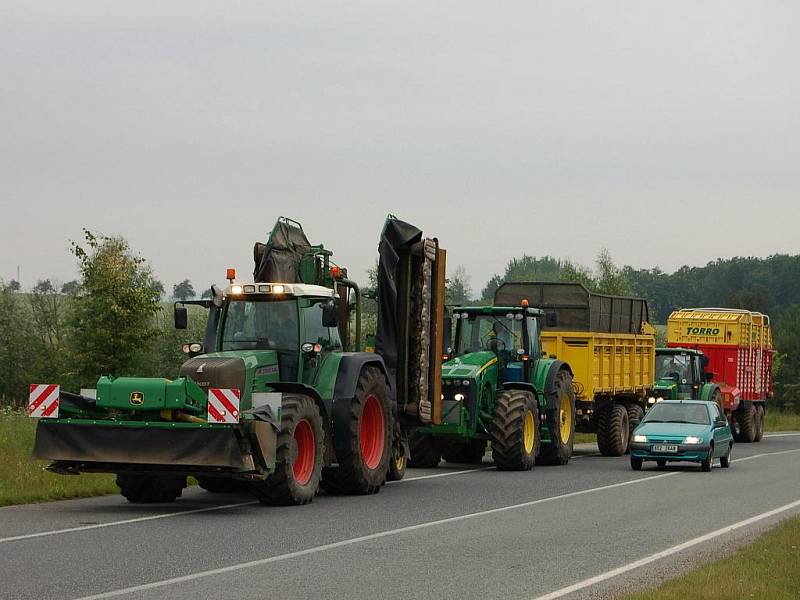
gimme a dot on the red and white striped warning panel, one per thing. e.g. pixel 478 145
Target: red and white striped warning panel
pixel 43 400
pixel 223 405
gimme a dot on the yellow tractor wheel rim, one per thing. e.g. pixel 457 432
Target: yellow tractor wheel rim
pixel 400 462
pixel 565 418
pixel 528 432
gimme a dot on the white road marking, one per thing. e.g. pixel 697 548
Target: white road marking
pixel 28 536
pixel 447 474
pixel 665 553
pixel 770 435
pixel 366 538
pixel 744 458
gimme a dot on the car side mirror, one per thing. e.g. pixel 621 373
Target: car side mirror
pixel 718 424
pixel 181 317
pixel 329 315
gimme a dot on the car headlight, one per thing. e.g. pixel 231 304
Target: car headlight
pixel 651 400
pixel 640 438
pixel 692 439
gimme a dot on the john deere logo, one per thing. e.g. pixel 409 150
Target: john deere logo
pixel 137 398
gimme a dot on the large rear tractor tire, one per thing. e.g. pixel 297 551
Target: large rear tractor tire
pixel 470 452
pixel 298 457
pixel 562 423
pixel 746 423
pixel 760 412
pixel 150 489
pixel 613 430
pixel 364 446
pixel 425 451
pixel 515 442
pixel 222 485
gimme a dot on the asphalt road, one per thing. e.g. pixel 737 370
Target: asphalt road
pixel 443 533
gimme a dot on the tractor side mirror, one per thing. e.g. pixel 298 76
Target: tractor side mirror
pixel 329 315
pixel 707 377
pixel 551 319
pixel 703 361
pixel 181 317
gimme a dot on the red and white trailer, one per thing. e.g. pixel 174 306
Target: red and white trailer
pixel 738 344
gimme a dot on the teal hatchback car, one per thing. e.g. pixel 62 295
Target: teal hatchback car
pixel 682 430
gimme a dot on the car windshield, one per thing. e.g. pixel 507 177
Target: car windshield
pixel 677 413
pixel 489 332
pixel 674 366
pixel 260 325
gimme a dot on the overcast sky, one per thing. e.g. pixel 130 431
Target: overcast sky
pixel 668 132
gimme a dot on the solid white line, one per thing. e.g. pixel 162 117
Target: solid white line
pixel 665 553
pixel 744 458
pixel 366 538
pixel 194 511
pixel 27 536
pixel 448 474
pixel 771 435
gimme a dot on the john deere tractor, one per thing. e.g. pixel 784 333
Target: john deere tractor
pixel 270 401
pixel 680 375
pixel 498 388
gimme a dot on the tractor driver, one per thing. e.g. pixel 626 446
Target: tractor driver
pixel 281 335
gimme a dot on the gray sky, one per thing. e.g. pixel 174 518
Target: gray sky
pixel 668 132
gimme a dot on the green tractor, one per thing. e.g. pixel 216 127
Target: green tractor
pixel 269 402
pixel 497 387
pixel 680 375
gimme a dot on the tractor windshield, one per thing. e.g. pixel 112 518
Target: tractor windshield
pixel 260 325
pixel 674 366
pixel 489 332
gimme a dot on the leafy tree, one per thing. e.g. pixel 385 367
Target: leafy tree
pixel 457 288
pixel 71 287
pixel 208 294
pixel 111 324
pixel 17 349
pixel 158 287
pixel 14 285
pixel 183 290
pixel 610 278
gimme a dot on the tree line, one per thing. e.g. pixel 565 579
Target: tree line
pixel 113 318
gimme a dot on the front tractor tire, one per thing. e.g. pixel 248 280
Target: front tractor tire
pixel 760 414
pixel 613 430
pixel 298 459
pixel 399 461
pixel 562 423
pixel 515 439
pixel 150 488
pixel 364 443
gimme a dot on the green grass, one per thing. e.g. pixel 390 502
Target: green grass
pixel 585 438
pixel 767 568
pixel 24 480
pixel 781 421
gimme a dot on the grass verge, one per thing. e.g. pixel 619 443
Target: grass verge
pixel 24 480
pixel 781 421
pixel 767 568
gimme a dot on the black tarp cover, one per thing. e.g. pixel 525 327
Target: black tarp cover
pixel 397 238
pixel 279 259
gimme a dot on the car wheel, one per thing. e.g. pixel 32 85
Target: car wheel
pixel 706 464
pixel 636 463
pixel 725 461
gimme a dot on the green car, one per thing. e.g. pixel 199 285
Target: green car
pixel 682 430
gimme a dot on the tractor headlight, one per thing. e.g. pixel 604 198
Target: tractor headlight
pixel 640 438
pixel 278 289
pixel 692 439
pixel 236 290
pixel 459 397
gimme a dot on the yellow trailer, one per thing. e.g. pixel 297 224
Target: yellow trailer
pixel 609 345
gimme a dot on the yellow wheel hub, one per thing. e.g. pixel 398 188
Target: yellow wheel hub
pixel 528 432
pixel 565 418
pixel 400 462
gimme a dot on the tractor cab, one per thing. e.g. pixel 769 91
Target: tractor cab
pixel 679 374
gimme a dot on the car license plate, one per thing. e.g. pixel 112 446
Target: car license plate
pixel 665 448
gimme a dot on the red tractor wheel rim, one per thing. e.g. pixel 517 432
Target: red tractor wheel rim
pixel 371 432
pixel 306 452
